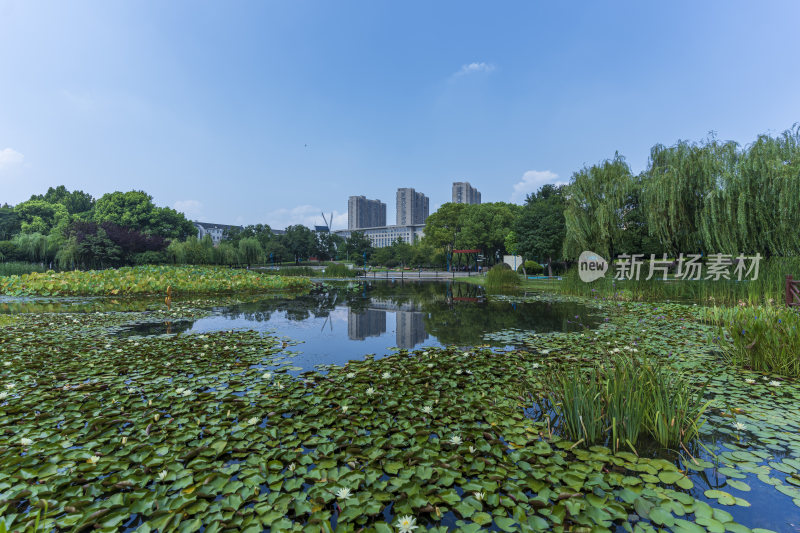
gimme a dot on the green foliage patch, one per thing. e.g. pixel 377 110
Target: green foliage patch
pixel 145 280
pixel 761 338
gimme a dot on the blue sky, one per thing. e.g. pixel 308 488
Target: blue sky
pixel 246 112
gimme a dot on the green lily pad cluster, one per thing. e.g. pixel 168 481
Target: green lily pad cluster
pixel 189 431
pixel 143 280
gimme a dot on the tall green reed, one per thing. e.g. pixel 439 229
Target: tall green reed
pixel 630 399
pixel 502 277
pixel 18 268
pixel 763 338
pixel 768 286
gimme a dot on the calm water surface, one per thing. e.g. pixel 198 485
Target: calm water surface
pixel 337 323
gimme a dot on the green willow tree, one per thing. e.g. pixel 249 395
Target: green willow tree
pixel 678 184
pixel 594 208
pixel 756 207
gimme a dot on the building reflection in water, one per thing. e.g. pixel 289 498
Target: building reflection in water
pixel 410 329
pixel 369 323
pixel 409 326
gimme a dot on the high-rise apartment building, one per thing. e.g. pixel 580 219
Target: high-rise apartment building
pixel 412 207
pixel 464 193
pixel 364 213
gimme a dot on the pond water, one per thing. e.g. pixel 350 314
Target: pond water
pixel 339 322
pixel 758 463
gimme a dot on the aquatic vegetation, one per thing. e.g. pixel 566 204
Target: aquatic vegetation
pixel 143 280
pixel 17 268
pixel 339 270
pixel 617 403
pixel 767 288
pixel 762 338
pixel 170 461
pixel 501 277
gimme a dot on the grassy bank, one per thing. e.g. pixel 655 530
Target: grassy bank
pixel 147 280
pixel 18 268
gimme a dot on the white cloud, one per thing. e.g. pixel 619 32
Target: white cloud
pixel 307 215
pixel 191 208
pixel 531 182
pixel 472 68
pixel 10 158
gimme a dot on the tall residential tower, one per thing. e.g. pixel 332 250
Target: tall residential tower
pixel 412 207
pixel 364 213
pixel 464 193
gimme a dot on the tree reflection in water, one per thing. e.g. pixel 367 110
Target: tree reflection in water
pixel 452 312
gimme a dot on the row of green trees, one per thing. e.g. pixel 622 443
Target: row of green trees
pixel 704 197
pixel 71 228
pixel 710 197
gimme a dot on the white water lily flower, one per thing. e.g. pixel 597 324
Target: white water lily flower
pixel 472 449
pixel 458 371
pixel 7 363
pixel 343 494
pixel 252 421
pixel 430 365
pixel 406 524
pixel 93 459
pixel 267 375
pixel 3 395
pixel 10 386
pixel 345 408
pixel 455 439
pixel 131 390
pixel 427 409
pixel 480 496
pixel 292 466
pixel 535 366
pixel 25 441
pixel 739 426
pixel 162 475
pixel 187 392
pixel 749 381
pixel 386 375
pixel 468 372
pixel 370 391
pixel 351 375
pixel 774 383
pixel 124 440
pixel 279 385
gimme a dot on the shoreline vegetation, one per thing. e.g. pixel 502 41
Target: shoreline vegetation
pixel 148 280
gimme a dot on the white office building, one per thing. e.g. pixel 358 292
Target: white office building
pixel 385 235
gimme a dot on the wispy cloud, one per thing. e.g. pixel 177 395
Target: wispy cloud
pixel 307 215
pixel 193 209
pixel 10 158
pixel 532 181
pixel 473 68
